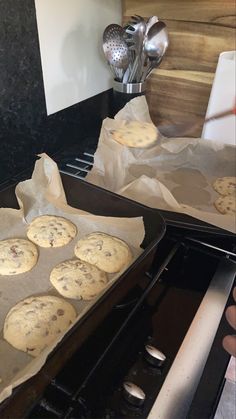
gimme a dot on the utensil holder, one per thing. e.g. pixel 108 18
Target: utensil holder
pixel 123 93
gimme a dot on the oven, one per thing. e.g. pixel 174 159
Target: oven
pixel 155 351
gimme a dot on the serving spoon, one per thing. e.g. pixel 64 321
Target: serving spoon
pixel 155 46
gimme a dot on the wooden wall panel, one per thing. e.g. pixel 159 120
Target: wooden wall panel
pixel 173 95
pixel 195 46
pixel 199 30
pixel 219 12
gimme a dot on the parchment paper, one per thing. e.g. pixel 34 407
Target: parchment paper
pixel 44 194
pixel 176 174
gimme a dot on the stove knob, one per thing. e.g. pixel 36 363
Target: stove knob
pixel 154 356
pixel 133 394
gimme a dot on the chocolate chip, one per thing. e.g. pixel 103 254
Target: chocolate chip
pixel 54 318
pixel 78 282
pixel 60 312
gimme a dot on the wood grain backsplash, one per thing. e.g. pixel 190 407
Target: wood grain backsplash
pixel 199 30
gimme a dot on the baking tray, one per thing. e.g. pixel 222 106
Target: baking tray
pixel 96 200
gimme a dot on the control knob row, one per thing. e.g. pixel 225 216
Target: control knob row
pixel 133 393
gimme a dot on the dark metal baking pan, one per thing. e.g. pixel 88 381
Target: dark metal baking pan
pixel 98 201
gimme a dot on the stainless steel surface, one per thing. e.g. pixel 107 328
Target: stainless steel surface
pixel 152 63
pixel 153 356
pixel 157 40
pixel 134 50
pixel 133 393
pixel 78 167
pixel 155 46
pixel 116 49
pixel 150 21
pixel 135 30
pixel 129 87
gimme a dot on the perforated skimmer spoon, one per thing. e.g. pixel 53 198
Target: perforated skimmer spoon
pixel 116 49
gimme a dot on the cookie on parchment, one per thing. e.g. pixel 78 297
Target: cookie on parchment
pixel 33 324
pixel 17 256
pixel 108 253
pixel 78 279
pixel 225 185
pixel 136 134
pixel 226 204
pixel 51 231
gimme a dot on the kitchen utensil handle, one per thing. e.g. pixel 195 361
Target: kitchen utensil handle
pixel 134 69
pixel 126 75
pixel 221 114
pixel 149 69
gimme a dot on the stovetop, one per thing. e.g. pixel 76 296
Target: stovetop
pixel 77 162
pixel 158 312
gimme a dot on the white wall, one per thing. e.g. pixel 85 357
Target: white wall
pixel 70 38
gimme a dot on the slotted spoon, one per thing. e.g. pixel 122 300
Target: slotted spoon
pixel 115 48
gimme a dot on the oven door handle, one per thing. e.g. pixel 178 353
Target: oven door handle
pixel 185 373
